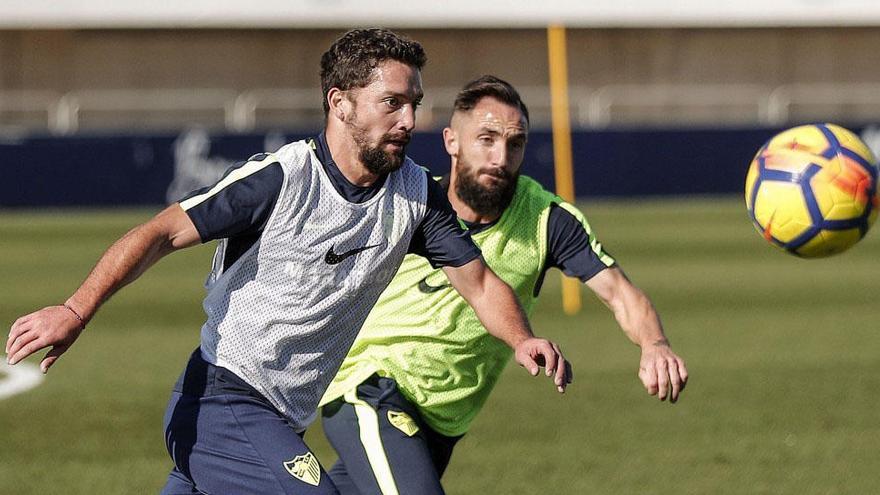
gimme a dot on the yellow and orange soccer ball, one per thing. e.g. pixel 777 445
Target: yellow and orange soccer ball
pixel 812 190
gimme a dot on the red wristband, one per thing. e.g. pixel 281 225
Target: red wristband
pixel 82 322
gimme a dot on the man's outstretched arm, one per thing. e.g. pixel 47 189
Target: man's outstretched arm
pixel 499 311
pixel 59 326
pixel 662 372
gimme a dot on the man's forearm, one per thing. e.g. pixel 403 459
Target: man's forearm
pixel 120 265
pixel 494 301
pixel 59 327
pixel 500 312
pixel 639 320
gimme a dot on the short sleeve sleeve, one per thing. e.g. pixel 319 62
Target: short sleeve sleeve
pixel 440 237
pixel 571 245
pixel 240 203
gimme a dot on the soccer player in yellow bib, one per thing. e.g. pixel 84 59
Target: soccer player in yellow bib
pixel 423 366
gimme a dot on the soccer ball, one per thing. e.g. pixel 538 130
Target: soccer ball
pixel 812 190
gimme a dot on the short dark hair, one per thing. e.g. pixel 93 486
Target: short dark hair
pixel 489 86
pixel 350 61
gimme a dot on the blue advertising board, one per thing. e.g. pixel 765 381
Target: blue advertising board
pixel 130 170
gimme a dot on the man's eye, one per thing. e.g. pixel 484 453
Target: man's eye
pixel 392 102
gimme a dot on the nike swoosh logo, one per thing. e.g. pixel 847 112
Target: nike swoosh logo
pixel 424 288
pixel 332 258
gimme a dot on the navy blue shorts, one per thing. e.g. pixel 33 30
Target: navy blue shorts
pixel 225 438
pixel 384 446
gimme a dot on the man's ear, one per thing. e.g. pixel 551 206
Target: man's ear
pixel 340 106
pixel 450 141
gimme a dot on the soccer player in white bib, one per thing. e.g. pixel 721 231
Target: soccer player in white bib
pixel 309 237
pixel 423 365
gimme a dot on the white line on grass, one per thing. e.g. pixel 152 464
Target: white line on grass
pixel 19 378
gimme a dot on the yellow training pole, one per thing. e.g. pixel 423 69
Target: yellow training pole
pixel 571 288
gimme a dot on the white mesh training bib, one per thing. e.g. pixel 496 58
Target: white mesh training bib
pixel 284 315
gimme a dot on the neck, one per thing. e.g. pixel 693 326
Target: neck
pixel 345 154
pixel 462 209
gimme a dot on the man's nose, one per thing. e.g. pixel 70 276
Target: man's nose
pixel 499 157
pixel 407 118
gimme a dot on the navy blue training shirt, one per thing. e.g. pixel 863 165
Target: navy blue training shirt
pixel 568 244
pixel 240 211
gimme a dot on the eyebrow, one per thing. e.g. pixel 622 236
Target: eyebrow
pixel 418 96
pixel 520 134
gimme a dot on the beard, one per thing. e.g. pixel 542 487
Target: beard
pixel 374 157
pixel 488 201
pixel 379 161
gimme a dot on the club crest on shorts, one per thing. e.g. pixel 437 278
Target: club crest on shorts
pixel 304 468
pixel 403 422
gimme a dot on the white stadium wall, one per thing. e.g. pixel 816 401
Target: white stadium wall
pixel 449 13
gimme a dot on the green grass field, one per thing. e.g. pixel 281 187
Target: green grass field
pixel 784 357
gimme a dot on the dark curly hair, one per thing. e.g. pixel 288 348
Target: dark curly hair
pixel 350 61
pixel 485 86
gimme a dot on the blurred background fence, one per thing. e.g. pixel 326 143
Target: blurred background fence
pixel 611 105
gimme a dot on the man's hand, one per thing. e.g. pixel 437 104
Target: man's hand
pixel 54 326
pixel 59 326
pixel 500 313
pixel 533 353
pixel 662 372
